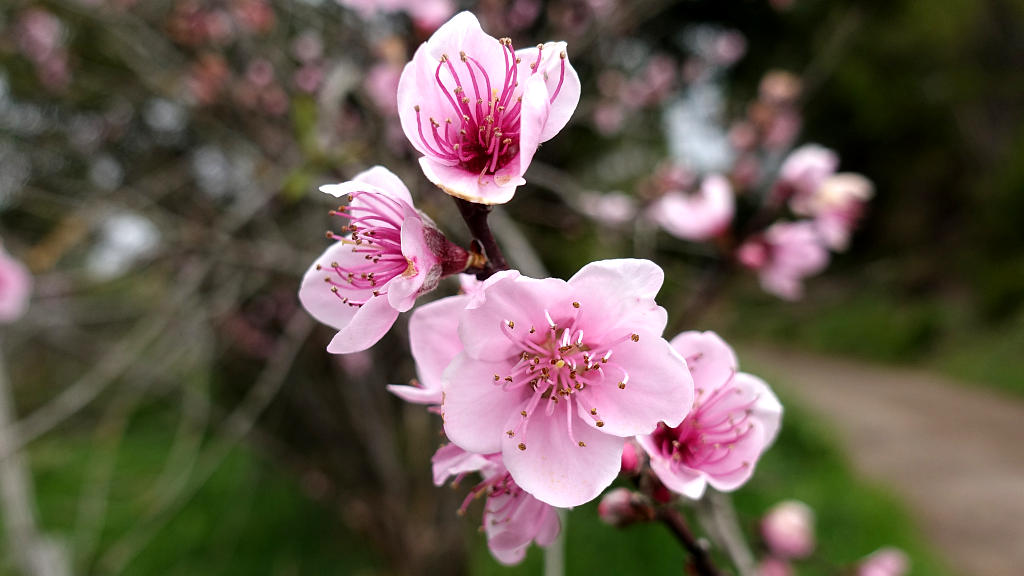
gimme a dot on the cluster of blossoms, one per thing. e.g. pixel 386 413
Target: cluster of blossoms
pixel 738 186
pixel 545 386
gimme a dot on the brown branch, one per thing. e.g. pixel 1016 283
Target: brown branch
pixel 475 216
pixel 700 562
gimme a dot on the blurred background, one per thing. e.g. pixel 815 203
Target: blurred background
pixel 172 410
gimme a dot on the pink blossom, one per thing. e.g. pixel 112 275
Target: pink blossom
pixel 784 255
pixel 612 208
pixel 512 517
pixel 804 171
pixel 701 215
pixel 788 529
pixel 885 562
pixel 774 567
pixel 477 109
pixel 363 281
pixel 837 206
pixel 735 417
pixel 574 368
pixel 15 288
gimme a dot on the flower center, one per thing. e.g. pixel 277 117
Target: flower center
pixel 375 227
pixel 482 133
pixel 707 437
pixel 558 366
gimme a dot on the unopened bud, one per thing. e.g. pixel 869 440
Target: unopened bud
pixel 630 459
pixel 885 562
pixel 621 507
pixel 788 529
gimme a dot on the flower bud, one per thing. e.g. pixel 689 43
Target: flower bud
pixel 788 530
pixel 774 567
pixel 630 459
pixel 621 507
pixel 885 562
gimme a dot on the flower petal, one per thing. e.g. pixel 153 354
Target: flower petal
pixel 623 291
pixel 517 298
pixel 534 117
pixel 711 361
pixel 434 338
pixel 403 289
pixel 450 460
pixel 513 521
pixel 416 394
pixel 553 467
pixel 767 410
pixel 659 388
pixel 475 407
pixel 315 294
pixel 458 182
pixel 387 182
pixel 564 103
pixel 368 326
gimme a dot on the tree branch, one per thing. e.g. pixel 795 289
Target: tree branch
pixel 475 216
pixel 700 561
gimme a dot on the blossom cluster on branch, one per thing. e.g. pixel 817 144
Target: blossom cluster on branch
pixel 541 383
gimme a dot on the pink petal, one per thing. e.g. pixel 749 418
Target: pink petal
pixel 471 186
pixel 450 460
pixel 555 468
pixel 387 182
pixel 659 388
pixel 368 326
pixel 417 87
pixel 434 338
pixel 416 394
pixel 623 290
pixel 711 361
pixel 532 122
pixel 518 299
pixel 403 289
pixel 512 522
pixel 568 97
pixel 15 288
pixel 734 470
pixel 315 294
pixel 767 410
pixel 475 408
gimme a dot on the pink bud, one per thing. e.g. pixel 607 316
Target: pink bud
pixel 885 562
pixel 630 459
pixel 620 507
pixel 788 529
pixel 774 567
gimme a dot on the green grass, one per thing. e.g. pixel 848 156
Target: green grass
pixel 248 519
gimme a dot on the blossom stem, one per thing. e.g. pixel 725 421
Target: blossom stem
pixel 475 216
pixel 700 560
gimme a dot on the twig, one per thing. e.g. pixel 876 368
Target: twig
pixel 700 561
pixel 475 216
pixel 234 429
pixel 32 552
pixel 718 516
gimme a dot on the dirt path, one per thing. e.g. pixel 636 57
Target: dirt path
pixel 954 453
